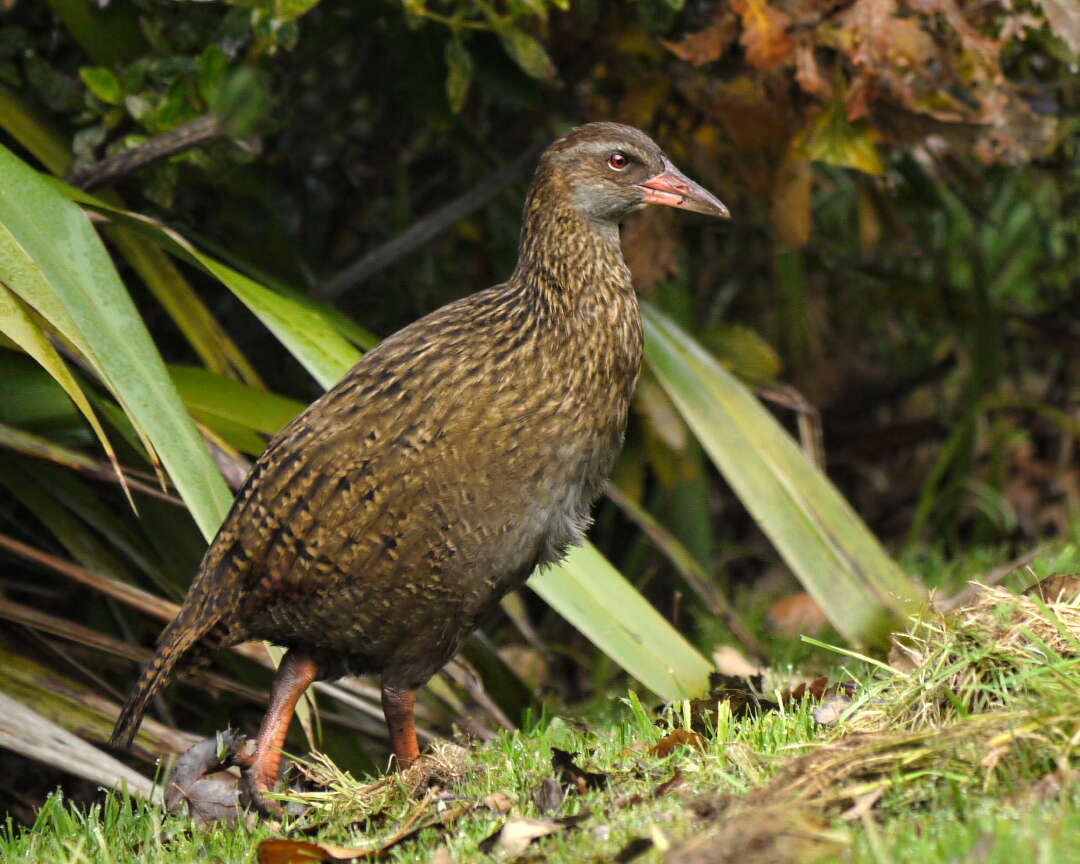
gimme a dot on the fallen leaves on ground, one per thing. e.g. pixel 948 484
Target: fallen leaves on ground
pixel 515 835
pixel 284 851
pixel 500 802
pixel 208 799
pixel 675 739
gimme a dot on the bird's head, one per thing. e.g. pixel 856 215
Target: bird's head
pixel 607 171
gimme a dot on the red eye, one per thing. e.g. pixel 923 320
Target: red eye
pixel 618 161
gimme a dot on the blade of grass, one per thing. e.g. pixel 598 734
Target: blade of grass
pixel 18 324
pixel 593 596
pixel 51 257
pixel 307 335
pixel 837 559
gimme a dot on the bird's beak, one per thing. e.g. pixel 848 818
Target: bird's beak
pixel 674 189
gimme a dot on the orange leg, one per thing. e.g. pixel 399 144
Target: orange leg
pixel 294 675
pixel 397 706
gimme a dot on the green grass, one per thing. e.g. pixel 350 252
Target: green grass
pixel 950 762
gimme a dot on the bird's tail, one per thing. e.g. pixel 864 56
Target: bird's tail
pixel 175 642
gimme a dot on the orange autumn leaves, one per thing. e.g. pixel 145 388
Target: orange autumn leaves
pixel 765 34
pixel 848 78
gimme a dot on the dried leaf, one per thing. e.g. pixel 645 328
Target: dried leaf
pixel 1059 588
pixel 303 852
pixel 295 852
pixel 516 834
pixel 500 802
pixel 730 661
pixel 797 613
pixel 828 712
pixel 807 73
pixel 675 739
pixel 764 36
pixel 708 44
pixel 569 772
pixel 548 795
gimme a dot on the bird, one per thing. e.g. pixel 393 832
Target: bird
pixel 386 521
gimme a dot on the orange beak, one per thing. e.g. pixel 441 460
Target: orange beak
pixel 672 188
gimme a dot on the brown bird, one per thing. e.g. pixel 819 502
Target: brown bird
pixel 381 526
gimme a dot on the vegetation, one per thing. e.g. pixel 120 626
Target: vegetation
pixel 257 191
pixel 967 752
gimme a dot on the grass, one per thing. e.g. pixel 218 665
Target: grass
pixel 968 753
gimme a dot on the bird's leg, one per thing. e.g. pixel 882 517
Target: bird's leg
pixel 296 672
pixel 397 706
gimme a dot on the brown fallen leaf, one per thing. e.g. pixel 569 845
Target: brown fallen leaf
pixel 305 852
pixel 828 712
pixel 675 739
pixel 739 693
pixel 628 801
pixel 281 851
pixel 549 795
pixel 813 689
pixel 516 834
pixel 500 802
pixel 568 772
pixel 1059 588
pixel 731 661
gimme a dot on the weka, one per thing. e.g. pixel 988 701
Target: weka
pixel 381 525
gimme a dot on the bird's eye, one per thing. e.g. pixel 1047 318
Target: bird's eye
pixel 618 161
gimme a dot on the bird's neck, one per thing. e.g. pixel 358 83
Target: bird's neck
pixel 571 263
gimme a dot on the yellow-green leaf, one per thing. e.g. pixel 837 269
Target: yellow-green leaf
pixel 835 140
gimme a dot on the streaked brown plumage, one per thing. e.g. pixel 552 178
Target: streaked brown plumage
pixel 388 519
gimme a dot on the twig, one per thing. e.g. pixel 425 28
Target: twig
pixel 157 148
pixel 349 691
pixel 463 672
pixel 807 416
pixel 425 229
pixel 39 448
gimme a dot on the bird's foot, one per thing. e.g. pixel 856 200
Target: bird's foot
pixel 208 798
pixel 257 779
